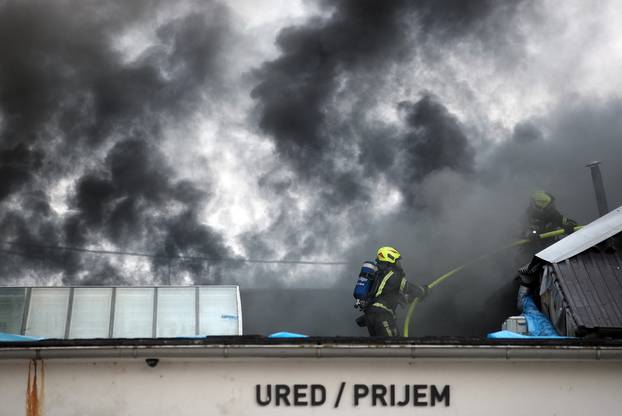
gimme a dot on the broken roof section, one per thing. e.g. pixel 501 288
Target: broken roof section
pixel 581 287
pixel 592 234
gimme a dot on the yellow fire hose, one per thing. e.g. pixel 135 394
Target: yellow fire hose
pixel 439 280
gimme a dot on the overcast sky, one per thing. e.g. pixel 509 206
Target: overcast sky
pixel 313 130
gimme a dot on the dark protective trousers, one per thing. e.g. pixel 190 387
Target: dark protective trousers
pixel 381 323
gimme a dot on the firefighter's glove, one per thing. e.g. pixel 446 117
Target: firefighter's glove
pixel 569 227
pixel 527 277
pixel 423 292
pixel 361 321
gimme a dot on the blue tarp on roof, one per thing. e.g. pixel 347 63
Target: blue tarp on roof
pixel 287 335
pixel 12 337
pixel 514 335
pixel 537 323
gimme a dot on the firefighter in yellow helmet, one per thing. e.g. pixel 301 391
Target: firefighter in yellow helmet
pixel 543 216
pixel 389 289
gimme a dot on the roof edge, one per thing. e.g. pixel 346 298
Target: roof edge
pixel 565 349
pixel 588 236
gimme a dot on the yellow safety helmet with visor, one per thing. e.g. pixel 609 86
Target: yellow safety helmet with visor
pixel 541 199
pixel 388 254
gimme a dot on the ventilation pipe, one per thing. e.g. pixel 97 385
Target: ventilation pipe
pixel 599 188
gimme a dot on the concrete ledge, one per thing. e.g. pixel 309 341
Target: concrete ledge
pixel 288 351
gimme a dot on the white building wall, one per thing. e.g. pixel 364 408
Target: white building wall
pixel 227 386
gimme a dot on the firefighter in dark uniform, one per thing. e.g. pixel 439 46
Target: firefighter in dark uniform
pixel 542 217
pixel 390 290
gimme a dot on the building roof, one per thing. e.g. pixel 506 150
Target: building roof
pixel 592 286
pixel 317 347
pixel 590 277
pixel 595 232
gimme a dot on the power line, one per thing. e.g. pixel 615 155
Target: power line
pixel 20 254
pixel 159 256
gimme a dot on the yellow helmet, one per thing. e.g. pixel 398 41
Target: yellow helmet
pixel 541 199
pixel 388 254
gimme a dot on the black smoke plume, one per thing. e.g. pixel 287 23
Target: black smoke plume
pixel 366 153
pixel 75 110
pixel 458 191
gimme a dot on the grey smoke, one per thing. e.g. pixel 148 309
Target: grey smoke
pixel 435 140
pixel 526 132
pixel 464 192
pixel 73 108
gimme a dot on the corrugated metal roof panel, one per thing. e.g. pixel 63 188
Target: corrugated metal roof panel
pixel 595 232
pixel 592 287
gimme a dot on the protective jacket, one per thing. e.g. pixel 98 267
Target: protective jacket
pixel 548 219
pixel 390 290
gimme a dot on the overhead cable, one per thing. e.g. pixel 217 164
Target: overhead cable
pixel 172 257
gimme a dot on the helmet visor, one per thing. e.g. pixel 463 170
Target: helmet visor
pixel 540 200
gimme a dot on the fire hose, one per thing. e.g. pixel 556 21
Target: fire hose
pixel 441 279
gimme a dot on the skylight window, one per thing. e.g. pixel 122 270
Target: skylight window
pixel 120 312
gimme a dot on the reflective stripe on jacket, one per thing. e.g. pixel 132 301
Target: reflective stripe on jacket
pixel 392 289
